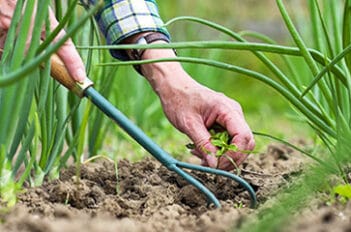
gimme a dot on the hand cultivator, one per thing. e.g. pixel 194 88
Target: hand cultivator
pixel 85 89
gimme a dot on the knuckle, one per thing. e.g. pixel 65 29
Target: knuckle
pixel 184 123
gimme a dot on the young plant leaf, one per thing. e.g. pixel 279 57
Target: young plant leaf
pixel 343 190
pixel 346 30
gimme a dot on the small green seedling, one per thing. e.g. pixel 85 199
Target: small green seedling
pixel 222 141
pixel 344 191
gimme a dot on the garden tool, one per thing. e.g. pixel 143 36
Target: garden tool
pixel 60 73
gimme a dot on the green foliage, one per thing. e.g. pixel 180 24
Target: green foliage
pixel 222 141
pixel 343 190
pixel 8 187
pixel 346 30
pixel 35 116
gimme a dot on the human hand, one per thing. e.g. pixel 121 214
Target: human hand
pixel 67 52
pixel 194 109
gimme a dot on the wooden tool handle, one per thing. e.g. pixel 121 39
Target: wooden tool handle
pixel 60 73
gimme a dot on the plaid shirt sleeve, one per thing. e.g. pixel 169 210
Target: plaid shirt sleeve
pixel 119 19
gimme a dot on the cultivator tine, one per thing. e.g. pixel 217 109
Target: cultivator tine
pixel 192 180
pixel 242 182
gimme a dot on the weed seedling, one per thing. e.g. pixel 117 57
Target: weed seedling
pixel 344 191
pixel 222 140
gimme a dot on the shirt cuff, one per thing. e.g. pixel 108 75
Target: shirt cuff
pixel 119 19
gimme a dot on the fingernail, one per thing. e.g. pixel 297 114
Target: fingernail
pixel 80 75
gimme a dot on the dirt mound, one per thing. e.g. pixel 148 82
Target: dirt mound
pixel 145 196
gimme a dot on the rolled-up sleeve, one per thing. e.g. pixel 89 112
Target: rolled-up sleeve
pixel 119 19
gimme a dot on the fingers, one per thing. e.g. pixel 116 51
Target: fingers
pixel 199 134
pixel 229 115
pixel 233 121
pixel 72 61
pixel 68 54
pixel 7 7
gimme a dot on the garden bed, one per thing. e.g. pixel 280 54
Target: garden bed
pixel 149 198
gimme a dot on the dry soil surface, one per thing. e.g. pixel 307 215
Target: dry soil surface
pixel 147 197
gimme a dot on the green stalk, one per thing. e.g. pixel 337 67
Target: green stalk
pixel 12 34
pixel 333 85
pixel 21 158
pixel 8 105
pixel 303 48
pixel 23 118
pixel 50 38
pixel 281 89
pixel 248 46
pixel 298 40
pixel 8 108
pixel 99 125
pixel 346 35
pixel 268 40
pixel 20 45
pixel 61 111
pixel 40 18
pixel 335 25
pixel 315 33
pixel 329 46
pixel 346 40
pixel 327 68
pixel 32 154
pixel 58 10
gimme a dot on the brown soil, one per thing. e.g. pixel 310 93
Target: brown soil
pixel 147 197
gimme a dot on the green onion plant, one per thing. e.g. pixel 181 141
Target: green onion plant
pixel 38 116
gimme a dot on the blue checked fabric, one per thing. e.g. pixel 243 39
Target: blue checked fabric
pixel 119 19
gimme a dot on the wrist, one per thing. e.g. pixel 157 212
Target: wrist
pixel 164 76
pixel 143 39
pixel 159 69
pixel 170 80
